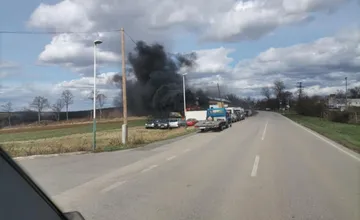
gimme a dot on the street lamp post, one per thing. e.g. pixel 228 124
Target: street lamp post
pixel 184 94
pixel 97 42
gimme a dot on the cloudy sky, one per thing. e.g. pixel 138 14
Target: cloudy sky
pixel 244 44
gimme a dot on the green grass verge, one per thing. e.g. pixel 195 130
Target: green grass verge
pixel 345 134
pixel 60 132
pixel 139 142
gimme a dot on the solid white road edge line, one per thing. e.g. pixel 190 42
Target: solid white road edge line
pixel 149 168
pixel 113 186
pixel 170 158
pixel 255 167
pixel 263 135
pixel 325 140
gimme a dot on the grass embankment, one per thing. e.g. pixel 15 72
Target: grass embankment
pixel 108 140
pixel 65 138
pixel 345 134
pixel 51 131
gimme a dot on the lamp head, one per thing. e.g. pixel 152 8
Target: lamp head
pixel 96 42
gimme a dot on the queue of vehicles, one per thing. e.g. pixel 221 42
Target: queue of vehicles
pixel 169 123
pixel 216 117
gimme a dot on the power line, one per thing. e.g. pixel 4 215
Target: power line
pixel 130 37
pixel 55 32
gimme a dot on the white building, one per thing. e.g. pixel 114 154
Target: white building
pixel 340 103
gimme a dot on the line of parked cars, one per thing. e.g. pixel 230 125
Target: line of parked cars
pixel 237 113
pixel 169 123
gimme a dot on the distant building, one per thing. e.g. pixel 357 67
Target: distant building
pixel 214 100
pixel 354 102
pixel 340 103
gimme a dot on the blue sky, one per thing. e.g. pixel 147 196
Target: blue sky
pixel 61 66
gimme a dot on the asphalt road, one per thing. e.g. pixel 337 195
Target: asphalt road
pixel 265 167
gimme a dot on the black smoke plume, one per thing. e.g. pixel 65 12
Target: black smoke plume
pixel 157 89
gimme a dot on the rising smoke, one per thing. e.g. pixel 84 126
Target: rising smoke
pixel 157 89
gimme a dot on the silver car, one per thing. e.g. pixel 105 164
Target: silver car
pixel 173 123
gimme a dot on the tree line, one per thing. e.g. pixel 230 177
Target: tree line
pixel 277 97
pixel 40 104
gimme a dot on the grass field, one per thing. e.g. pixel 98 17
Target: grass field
pixel 77 136
pixel 345 134
pixel 51 131
pixel 106 141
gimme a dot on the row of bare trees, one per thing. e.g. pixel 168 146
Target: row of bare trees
pixel 278 90
pixel 303 104
pixel 8 109
pixel 41 103
pixel 100 99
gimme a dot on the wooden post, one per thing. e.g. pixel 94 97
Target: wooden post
pixel 123 58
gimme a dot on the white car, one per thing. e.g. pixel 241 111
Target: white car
pixel 174 123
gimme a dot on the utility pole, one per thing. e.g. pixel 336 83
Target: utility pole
pixel 124 128
pixel 300 89
pixel 184 94
pixel 346 101
pixel 218 87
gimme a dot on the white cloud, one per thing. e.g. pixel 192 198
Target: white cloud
pixel 160 20
pixel 325 58
pixel 321 65
pixel 75 16
pixel 7 64
pixel 213 60
pixel 7 68
pixel 73 52
pixel 22 94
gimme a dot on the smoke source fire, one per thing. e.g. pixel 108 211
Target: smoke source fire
pixel 157 89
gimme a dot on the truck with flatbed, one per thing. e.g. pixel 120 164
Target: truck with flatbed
pixel 217 119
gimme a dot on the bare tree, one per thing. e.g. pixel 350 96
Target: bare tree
pixel 278 88
pixel 101 98
pixel 57 107
pixel 68 99
pixel 39 104
pixel 91 95
pixel 265 91
pixel 250 101
pixel 354 92
pixel 340 97
pixel 7 107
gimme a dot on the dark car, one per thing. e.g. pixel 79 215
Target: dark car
pixel 162 123
pixel 151 124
